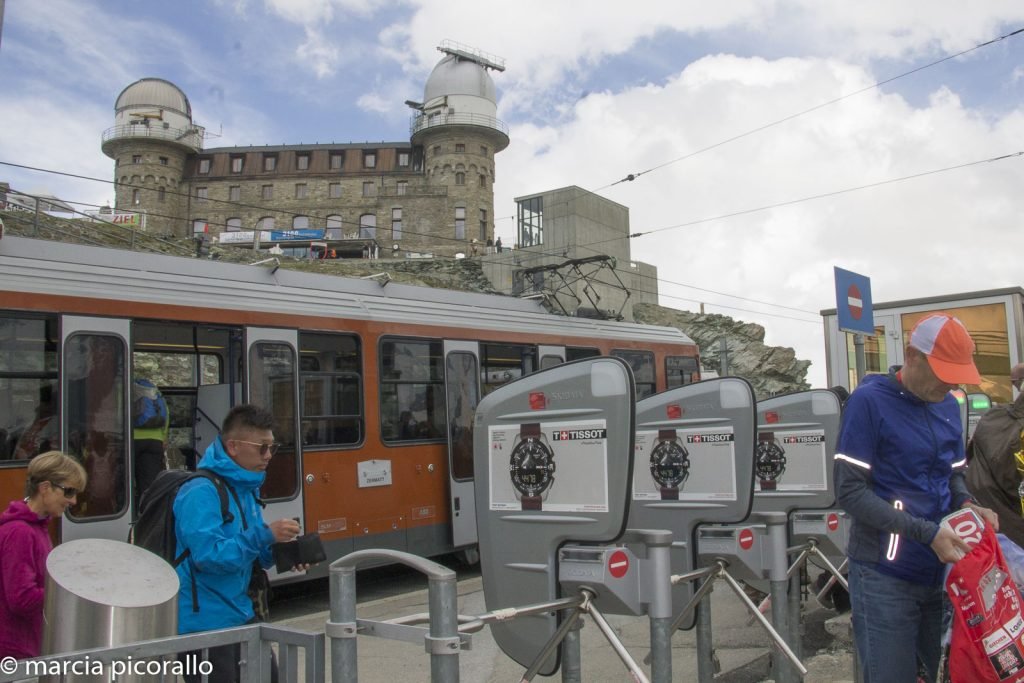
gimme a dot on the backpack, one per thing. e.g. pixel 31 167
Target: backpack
pixel 149 409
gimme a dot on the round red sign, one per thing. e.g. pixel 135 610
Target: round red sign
pixel 854 301
pixel 832 522
pixel 618 564
pixel 746 539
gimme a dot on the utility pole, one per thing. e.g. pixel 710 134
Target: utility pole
pixel 1 21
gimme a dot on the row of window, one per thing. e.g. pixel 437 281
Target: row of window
pixel 302 161
pixel 460 148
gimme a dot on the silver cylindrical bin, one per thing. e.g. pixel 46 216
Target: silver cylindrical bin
pixel 101 592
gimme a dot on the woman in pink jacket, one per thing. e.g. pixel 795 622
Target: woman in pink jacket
pixel 53 481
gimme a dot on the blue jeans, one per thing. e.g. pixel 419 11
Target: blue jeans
pixel 892 620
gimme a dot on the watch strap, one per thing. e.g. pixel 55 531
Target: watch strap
pixel 666 434
pixel 531 502
pixel 669 493
pixel 529 429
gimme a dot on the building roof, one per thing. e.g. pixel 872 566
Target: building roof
pixel 154 92
pixel 456 76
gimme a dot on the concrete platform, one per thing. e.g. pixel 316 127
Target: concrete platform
pixel 742 648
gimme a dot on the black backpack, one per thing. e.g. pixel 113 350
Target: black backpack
pixel 154 529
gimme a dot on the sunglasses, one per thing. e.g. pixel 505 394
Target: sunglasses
pixel 68 491
pixel 264 447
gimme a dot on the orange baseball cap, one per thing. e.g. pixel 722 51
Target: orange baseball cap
pixel 949 348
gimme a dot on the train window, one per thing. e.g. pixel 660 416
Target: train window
pixel 29 417
pixel 550 362
pixel 94 367
pixel 642 363
pixel 463 397
pixel 680 370
pixel 579 353
pixel 272 386
pixel 330 380
pixel 502 363
pixel 411 390
pixel 176 369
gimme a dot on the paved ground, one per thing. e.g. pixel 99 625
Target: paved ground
pixel 741 648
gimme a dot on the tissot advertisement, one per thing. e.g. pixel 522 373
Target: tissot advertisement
pixel 790 461
pixel 552 466
pixel 685 464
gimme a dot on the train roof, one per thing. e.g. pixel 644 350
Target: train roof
pixel 55 268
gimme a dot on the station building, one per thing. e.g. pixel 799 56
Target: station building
pixel 429 195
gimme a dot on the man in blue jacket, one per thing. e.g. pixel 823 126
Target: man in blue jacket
pixel 899 469
pixel 221 556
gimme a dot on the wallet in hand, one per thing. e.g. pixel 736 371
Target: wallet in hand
pixel 306 549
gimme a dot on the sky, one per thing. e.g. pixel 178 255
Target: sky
pixel 744 203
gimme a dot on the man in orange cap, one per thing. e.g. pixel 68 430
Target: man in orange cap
pixel 899 469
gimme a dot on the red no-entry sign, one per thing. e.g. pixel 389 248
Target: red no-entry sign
pixel 618 564
pixel 746 539
pixel 855 302
pixel 832 522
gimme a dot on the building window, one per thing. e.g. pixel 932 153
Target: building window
pixel 483 180
pixel 335 190
pixel 265 223
pixel 460 222
pixel 300 222
pixel 163 161
pixel 236 164
pixel 302 162
pixel 368 189
pixel 396 223
pixel 337 160
pixel 483 150
pixel 460 178
pixel 412 396
pixel 403 188
pixel 234 224
pixel 199 226
pixel 136 197
pixel 403 158
pixel 136 158
pixel 531 221
pixel 267 192
pixel 234 193
pixel 204 166
pixel 459 147
pixel 160 194
pixel 369 160
pixel 334 227
pixel 368 225
pixel 330 389
pixel 300 190
pixel 202 193
pixel 269 162
pixel 483 225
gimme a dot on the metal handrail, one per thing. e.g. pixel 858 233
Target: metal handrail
pixel 423 121
pixel 191 137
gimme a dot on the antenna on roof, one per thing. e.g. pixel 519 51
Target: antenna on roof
pixel 472 54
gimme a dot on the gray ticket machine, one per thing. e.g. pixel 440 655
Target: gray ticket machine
pixel 553 461
pixel 694 464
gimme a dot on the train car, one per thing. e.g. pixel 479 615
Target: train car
pixel 373 383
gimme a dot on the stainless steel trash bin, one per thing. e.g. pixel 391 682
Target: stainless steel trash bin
pixel 101 592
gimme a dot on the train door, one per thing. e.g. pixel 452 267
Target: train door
pixel 272 383
pixel 462 392
pixel 550 356
pixel 95 423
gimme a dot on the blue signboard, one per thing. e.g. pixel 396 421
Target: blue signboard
pixel 853 303
pixel 301 234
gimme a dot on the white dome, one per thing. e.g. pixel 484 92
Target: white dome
pixel 154 92
pixel 455 76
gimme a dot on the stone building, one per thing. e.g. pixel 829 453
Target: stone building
pixel 432 193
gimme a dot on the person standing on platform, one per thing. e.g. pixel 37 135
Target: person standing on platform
pixel 497 245
pixel 53 481
pixel 899 469
pixel 151 423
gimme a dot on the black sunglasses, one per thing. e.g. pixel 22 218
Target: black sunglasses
pixel 68 491
pixel 264 447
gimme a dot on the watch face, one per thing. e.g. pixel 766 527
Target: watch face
pixel 670 463
pixel 769 460
pixel 531 466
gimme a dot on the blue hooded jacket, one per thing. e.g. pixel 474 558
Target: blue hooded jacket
pixel 899 469
pixel 221 555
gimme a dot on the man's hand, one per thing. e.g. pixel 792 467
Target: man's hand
pixel 987 515
pixel 948 546
pixel 284 530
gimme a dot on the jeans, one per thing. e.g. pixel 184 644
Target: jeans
pixel 892 620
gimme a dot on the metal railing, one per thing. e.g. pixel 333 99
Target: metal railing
pixel 424 121
pixel 191 137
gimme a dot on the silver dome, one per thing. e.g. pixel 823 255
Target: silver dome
pixel 154 92
pixel 455 76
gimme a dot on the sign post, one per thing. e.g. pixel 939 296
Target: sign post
pixel 854 311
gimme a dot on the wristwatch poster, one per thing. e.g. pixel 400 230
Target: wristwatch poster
pixel 531 467
pixel 804 460
pixel 549 466
pixel 686 465
pixel 769 461
pixel 670 464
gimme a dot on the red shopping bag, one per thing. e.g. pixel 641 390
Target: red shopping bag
pixel 988 630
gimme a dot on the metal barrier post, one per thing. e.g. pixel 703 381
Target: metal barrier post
pixel 778 575
pixel 796 625
pixel 341 628
pixel 443 643
pixel 705 648
pixel 572 666
pixel 659 607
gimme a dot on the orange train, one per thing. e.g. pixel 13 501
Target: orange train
pixel 373 386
